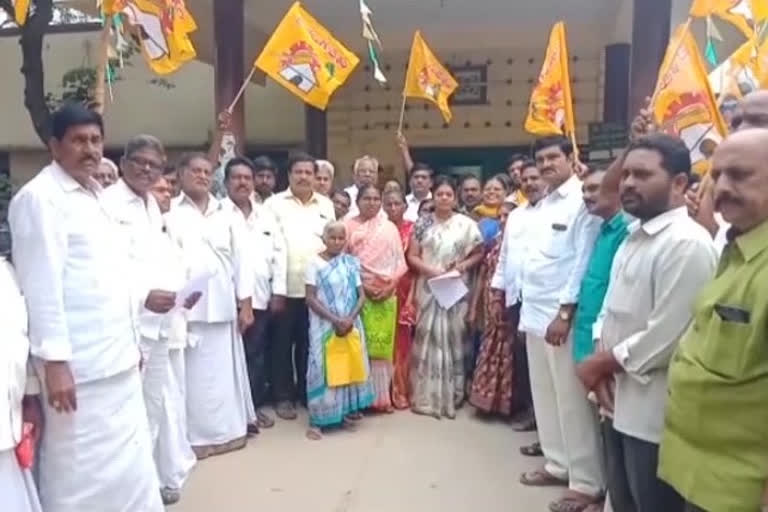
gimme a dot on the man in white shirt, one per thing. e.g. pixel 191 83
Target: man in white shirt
pixel 563 235
pixel 219 404
pixel 82 300
pixel 19 402
pixel 506 280
pixel 421 190
pixel 158 263
pixel 269 264
pixel 655 277
pixel 302 215
pixel 364 172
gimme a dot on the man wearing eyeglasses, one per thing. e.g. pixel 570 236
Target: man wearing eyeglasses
pixel 366 172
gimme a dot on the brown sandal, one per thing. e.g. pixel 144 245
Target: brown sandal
pixel 541 478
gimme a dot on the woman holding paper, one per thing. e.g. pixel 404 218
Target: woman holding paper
pixel 375 241
pixel 335 298
pixel 442 242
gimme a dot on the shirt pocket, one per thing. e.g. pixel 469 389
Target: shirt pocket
pixel 724 346
pixel 556 243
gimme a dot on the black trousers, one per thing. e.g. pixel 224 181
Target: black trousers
pixel 256 341
pixel 630 467
pixel 522 398
pixel 289 351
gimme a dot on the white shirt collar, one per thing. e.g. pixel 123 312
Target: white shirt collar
pixel 70 184
pixel 572 184
pixel 659 223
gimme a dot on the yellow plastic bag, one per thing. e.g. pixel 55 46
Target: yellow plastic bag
pixel 344 363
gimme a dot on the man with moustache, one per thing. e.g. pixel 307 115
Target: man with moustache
pixel 81 298
pixel 156 265
pixel 264 177
pixel 302 215
pixel 268 262
pixel 219 404
pixel 470 194
pixel 514 169
pixel 655 277
pixel 563 235
pixel 506 280
pixel 365 171
pixel 714 448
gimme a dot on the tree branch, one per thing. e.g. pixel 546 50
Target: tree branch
pixel 31 41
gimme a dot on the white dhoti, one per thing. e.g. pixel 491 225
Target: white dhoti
pixel 17 488
pixel 219 403
pixel 164 383
pixel 99 458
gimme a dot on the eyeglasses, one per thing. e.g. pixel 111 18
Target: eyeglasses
pixel 146 164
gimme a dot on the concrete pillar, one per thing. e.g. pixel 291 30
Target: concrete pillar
pixel 228 62
pixel 316 131
pixel 616 89
pixel 650 36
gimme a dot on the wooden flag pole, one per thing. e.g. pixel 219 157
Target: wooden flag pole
pixel 240 93
pixel 402 115
pixel 99 92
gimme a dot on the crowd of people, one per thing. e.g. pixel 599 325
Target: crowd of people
pixel 153 321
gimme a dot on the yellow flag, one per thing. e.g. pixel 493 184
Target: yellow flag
pixel 738 12
pixel 21 9
pixel 427 78
pixel 744 71
pixel 305 58
pixel 162 28
pixel 683 103
pixel 551 108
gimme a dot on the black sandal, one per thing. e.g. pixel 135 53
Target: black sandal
pixel 532 450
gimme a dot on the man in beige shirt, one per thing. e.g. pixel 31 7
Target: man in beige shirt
pixel 655 277
pixel 302 215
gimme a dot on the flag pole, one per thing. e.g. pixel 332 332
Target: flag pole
pixel 402 115
pixel 240 93
pixel 99 92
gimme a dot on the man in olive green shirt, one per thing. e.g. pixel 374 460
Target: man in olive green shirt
pixel 714 450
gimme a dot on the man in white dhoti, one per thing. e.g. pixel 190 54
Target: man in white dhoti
pixel 269 265
pixel 219 404
pixel 95 454
pixel 19 403
pixel 157 263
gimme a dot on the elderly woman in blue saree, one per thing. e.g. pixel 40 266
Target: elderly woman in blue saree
pixel 335 298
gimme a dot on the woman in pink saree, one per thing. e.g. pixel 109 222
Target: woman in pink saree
pixel 375 241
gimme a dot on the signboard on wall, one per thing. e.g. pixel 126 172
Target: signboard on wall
pixel 607 140
pixel 473 85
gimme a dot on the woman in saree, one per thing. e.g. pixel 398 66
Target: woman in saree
pixel 442 242
pixel 335 298
pixel 395 207
pixel 488 213
pixel 493 377
pixel 375 241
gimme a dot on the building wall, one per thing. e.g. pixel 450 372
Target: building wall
pixel 363 117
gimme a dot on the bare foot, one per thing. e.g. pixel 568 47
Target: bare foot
pixel 314 434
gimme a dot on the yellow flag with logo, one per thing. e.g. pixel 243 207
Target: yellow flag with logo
pixel 305 58
pixel 683 103
pixel 427 78
pixel 746 70
pixel 161 27
pixel 20 10
pixel 551 108
pixel 741 13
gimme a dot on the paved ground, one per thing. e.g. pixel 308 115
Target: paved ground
pixel 393 463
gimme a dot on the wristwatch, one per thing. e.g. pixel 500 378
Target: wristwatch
pixel 564 315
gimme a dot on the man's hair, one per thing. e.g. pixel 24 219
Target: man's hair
pixel 238 160
pixel 143 141
pixel 528 163
pixel 675 157
pixel 73 114
pixel 366 158
pixel 565 145
pixel 343 193
pixel 327 165
pixel 264 163
pixel 421 166
pixel 300 158
pixel 170 169
pixel 468 177
pixel 109 163
pixel 517 157
pixel 593 169
pixel 186 158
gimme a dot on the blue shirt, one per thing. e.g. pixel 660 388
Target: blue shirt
pixel 595 284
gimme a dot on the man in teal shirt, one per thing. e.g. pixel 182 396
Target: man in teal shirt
pixel 594 285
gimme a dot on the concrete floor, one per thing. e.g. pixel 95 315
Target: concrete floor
pixel 393 463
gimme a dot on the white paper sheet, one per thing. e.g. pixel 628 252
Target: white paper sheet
pixel 197 283
pixel 448 289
